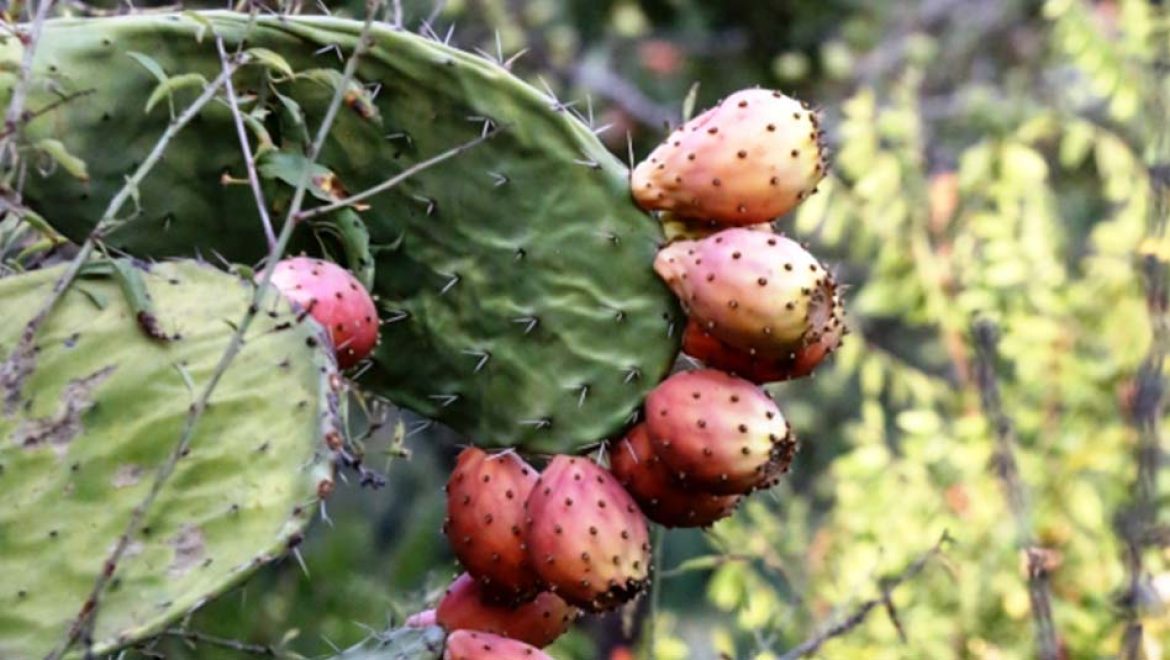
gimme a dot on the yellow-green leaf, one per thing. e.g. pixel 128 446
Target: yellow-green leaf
pixel 56 150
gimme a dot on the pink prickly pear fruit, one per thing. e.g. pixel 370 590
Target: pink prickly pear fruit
pixel 538 622
pixel 760 293
pixel 752 158
pixel 422 619
pixel 336 300
pixel 663 500
pixel 801 362
pixel 485 522
pixel 472 645
pixel 716 432
pixel 586 536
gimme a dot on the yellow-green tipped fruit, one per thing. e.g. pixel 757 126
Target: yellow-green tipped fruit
pixel 760 293
pixel 752 158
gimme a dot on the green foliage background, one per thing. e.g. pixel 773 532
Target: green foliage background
pixel 992 160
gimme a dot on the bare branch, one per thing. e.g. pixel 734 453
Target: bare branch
pixel 986 337
pixel 235 645
pixel 26 117
pixel 108 222
pixel 1137 524
pixel 15 114
pixel 396 179
pixel 814 643
pixel 246 147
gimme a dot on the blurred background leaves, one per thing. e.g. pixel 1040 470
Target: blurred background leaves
pixel 992 159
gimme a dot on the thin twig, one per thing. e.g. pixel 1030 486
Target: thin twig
pixel 15 114
pixel 86 616
pixel 986 337
pixel 246 147
pixel 235 645
pixel 1138 522
pixel 655 592
pixel 48 107
pixel 888 585
pixel 394 180
pixel 14 370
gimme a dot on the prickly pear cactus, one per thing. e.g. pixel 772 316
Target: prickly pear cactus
pixel 515 279
pixel 87 419
pixel 399 644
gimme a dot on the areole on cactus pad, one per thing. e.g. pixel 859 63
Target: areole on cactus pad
pixel 514 280
pixel 81 440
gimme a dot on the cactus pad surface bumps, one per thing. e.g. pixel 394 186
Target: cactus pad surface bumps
pixel 514 280
pixel 87 419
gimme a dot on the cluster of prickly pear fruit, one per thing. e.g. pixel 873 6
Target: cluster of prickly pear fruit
pixel 760 306
pixel 538 548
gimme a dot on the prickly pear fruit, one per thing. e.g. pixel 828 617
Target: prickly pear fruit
pixel 716 432
pixel 586 536
pixel 753 157
pixel 336 299
pixel 538 622
pixel 802 361
pixel 760 293
pixel 471 645
pixel 485 522
pixel 422 619
pixel 663 500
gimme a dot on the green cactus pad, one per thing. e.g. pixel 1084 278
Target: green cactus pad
pixel 399 644
pixel 102 406
pixel 515 279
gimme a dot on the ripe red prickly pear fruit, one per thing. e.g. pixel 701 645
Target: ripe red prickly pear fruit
pixel 760 293
pixel 471 645
pixel 336 300
pixel 422 619
pixel 538 622
pixel 663 500
pixel 586 536
pixel 485 522
pixel 716 432
pixel 753 157
pixel 801 362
